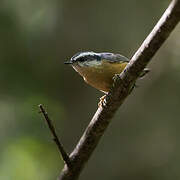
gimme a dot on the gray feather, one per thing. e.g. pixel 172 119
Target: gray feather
pixel 114 57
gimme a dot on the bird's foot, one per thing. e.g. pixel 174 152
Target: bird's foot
pixel 102 101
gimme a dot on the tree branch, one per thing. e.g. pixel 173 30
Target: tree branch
pixel 120 90
pixel 55 137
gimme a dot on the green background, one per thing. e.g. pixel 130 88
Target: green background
pixel 36 37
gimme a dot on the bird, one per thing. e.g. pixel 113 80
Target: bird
pixel 98 69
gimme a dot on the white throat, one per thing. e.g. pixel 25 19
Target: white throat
pixel 93 63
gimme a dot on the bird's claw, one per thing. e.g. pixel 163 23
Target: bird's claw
pixel 115 77
pixel 102 101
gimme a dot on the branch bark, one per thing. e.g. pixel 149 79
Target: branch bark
pixel 120 91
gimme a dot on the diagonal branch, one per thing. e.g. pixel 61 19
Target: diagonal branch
pixel 120 91
pixel 55 137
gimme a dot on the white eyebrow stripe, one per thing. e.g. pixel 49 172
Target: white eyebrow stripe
pixel 83 54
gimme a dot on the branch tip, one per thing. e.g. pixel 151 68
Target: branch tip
pixel 65 156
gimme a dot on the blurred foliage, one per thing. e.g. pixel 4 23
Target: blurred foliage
pixel 20 160
pixel 36 38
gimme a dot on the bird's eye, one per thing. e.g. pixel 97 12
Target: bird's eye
pixel 81 59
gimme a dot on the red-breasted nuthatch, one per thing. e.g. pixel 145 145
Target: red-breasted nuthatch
pixel 98 69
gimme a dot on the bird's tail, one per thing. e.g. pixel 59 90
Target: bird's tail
pixel 144 72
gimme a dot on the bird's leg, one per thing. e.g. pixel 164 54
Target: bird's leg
pixel 101 102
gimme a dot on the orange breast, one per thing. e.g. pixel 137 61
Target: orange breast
pixel 100 77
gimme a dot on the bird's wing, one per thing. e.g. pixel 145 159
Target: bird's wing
pixel 114 57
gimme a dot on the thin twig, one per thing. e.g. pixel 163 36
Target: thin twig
pixel 55 137
pixel 120 91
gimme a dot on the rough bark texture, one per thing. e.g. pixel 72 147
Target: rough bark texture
pixel 120 90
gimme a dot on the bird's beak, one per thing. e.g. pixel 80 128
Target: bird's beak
pixel 67 62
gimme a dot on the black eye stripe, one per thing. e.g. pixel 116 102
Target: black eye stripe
pixel 81 59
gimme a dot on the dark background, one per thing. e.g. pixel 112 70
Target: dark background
pixel 36 37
